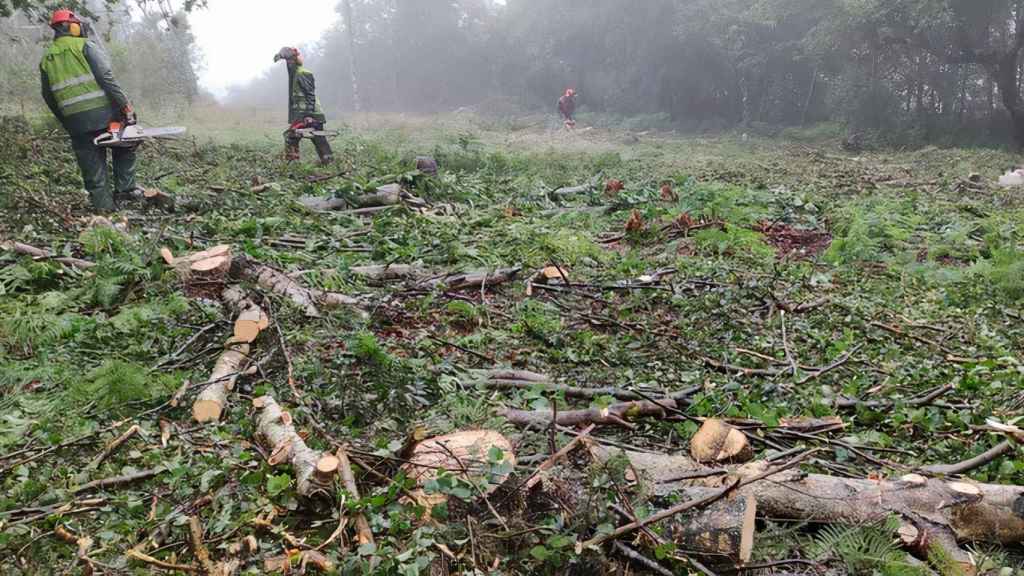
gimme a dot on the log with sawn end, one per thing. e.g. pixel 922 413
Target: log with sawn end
pixel 313 469
pixel 211 401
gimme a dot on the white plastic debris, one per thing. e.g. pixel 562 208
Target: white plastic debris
pixel 1012 179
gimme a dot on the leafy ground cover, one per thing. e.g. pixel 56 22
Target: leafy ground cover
pixel 739 267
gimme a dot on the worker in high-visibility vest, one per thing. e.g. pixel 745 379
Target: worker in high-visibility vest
pixel 79 88
pixel 304 110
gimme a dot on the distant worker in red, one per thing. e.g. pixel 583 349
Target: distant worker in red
pixel 304 111
pixel 567 107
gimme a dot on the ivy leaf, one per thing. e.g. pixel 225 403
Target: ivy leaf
pixel 278 484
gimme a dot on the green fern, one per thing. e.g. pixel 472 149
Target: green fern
pixel 117 383
pixel 870 549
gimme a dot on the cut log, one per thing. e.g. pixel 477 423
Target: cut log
pixel 283 285
pixel 40 254
pixel 383 273
pixel 250 320
pixel 467 455
pixel 275 429
pixel 717 441
pixel 616 414
pixel 721 533
pixel 387 195
pixel 477 280
pixel 167 255
pixel 211 401
pixel 983 512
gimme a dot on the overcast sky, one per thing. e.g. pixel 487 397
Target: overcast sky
pixel 239 38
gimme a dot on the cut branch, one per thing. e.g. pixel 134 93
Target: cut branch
pixel 40 254
pixel 210 403
pixel 274 427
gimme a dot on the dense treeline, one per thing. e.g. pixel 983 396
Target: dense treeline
pixel 898 71
pixel 891 71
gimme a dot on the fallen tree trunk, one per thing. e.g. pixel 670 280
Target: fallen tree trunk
pixel 40 254
pixel 211 401
pixel 388 195
pixel 313 470
pixel 283 285
pixel 479 279
pixel 978 512
pixel 616 414
pixel 722 532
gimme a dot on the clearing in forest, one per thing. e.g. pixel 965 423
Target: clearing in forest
pixel 564 353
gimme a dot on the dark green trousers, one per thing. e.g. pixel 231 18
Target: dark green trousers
pixel 92 162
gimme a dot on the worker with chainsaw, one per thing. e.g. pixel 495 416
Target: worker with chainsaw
pixel 305 116
pixel 79 88
pixel 567 107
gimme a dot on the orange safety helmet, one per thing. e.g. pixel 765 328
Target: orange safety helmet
pixel 63 16
pixel 288 53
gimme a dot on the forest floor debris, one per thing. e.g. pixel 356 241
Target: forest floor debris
pixel 347 357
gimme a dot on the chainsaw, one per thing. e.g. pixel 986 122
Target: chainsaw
pixel 301 130
pixel 125 136
pixel 312 133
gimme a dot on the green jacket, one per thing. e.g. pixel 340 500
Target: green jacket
pixel 302 100
pixel 78 85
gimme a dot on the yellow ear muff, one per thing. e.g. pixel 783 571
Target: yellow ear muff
pixel 75 29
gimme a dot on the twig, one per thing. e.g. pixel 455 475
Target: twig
pixel 364 534
pixel 831 367
pixel 287 359
pixel 137 555
pixel 535 477
pixel 118 480
pixel 114 445
pixel 463 348
pixel 202 554
pixel 997 451
pixel 642 560
pixel 664 514
pixel 785 344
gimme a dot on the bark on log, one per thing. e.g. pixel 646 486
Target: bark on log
pixel 482 278
pixel 385 272
pixel 983 512
pixel 722 533
pixel 274 427
pixel 388 195
pixel 525 380
pixel 288 287
pixel 276 282
pixel 211 401
pixel 40 254
pixel 616 414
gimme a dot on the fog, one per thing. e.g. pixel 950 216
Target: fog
pixel 886 72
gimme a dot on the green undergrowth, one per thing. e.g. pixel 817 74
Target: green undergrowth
pixel 916 286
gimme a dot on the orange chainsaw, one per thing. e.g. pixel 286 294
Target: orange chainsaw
pixel 121 135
